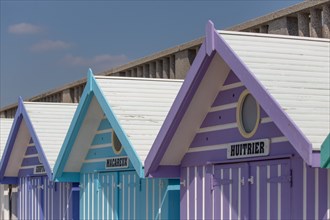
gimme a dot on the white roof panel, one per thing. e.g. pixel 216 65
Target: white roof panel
pixel 140 106
pixel 5 127
pixel 295 71
pixel 51 122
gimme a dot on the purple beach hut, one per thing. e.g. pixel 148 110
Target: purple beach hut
pixel 245 132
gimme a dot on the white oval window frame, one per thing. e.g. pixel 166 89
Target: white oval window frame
pixel 239 116
pixel 113 144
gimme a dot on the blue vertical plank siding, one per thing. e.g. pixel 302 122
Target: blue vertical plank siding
pixel 123 195
pixel 120 193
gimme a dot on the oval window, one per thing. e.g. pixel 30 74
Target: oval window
pixel 248 114
pixel 116 144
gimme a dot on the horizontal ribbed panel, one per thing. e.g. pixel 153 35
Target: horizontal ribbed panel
pixel 5 126
pixel 296 72
pixel 140 106
pixel 51 122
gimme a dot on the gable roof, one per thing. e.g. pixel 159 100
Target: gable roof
pixel 135 108
pixel 5 127
pixel 46 124
pixel 289 77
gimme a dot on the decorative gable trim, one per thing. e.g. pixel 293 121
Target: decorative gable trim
pixel 214 43
pixel 21 114
pixel 92 89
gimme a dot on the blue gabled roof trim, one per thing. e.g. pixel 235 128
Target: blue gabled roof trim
pixel 92 89
pixel 128 147
pixel 21 114
pixel 72 133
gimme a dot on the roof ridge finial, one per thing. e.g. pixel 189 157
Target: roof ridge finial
pixel 209 37
pixel 90 77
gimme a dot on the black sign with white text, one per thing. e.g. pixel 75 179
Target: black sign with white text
pixel 254 148
pixel 117 162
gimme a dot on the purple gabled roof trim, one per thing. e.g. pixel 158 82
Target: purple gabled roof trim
pixel 191 84
pixel 22 114
pixel 268 103
pixel 177 110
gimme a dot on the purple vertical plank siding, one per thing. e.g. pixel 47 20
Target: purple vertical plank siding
pixel 199 181
pixel 297 189
pixel 192 199
pixel 310 192
pixel 323 192
pixel 285 191
pixel 263 191
pixel 226 201
pixel 234 192
pixel 274 192
pixel 208 193
pixel 183 193
pixel 40 199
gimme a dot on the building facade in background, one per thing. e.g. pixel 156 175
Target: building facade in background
pixel 306 19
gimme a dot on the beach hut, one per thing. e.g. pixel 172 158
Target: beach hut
pixel 6 191
pixel 29 157
pixel 112 131
pixel 245 131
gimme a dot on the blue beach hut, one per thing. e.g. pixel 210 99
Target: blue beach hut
pixel 112 131
pixel 29 157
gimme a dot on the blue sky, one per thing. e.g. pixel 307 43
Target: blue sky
pixel 46 44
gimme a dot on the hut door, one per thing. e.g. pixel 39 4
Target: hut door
pixel 129 188
pixel 30 197
pixel 230 191
pixel 106 203
pixel 270 189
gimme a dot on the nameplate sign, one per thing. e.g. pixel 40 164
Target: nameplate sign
pixel 256 148
pixel 39 169
pixel 117 162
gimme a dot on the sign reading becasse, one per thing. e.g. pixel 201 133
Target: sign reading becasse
pixel 255 148
pixel 116 162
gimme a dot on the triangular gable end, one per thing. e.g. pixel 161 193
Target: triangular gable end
pixel 102 155
pixel 92 96
pixel 21 122
pixel 215 44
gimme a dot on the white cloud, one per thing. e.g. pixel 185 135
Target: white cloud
pixel 46 45
pixel 98 63
pixel 24 28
